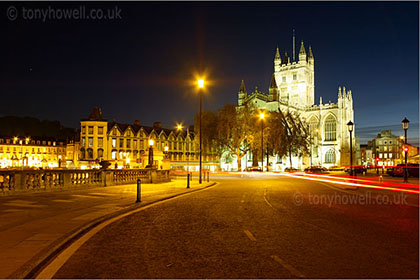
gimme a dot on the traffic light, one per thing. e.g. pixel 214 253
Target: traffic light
pixel 405 149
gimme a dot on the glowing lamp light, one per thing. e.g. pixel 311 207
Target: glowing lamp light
pixel 179 126
pixel 350 125
pixel 406 149
pixel 151 142
pixel 262 116
pixel 166 148
pixel 200 83
pixel 405 123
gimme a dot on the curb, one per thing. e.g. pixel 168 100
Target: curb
pixel 35 265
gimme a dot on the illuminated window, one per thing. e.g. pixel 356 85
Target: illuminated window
pixel 83 142
pixel 313 125
pixel 90 153
pixel 90 141
pixel 114 142
pixel 100 142
pixel 330 129
pixel 380 155
pixel 114 154
pixel 385 148
pixel 390 155
pixel 90 130
pixel 390 149
pixel 385 155
pixel 100 130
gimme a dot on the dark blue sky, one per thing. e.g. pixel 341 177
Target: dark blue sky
pixel 138 67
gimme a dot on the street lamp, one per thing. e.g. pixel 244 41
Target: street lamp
pixel 166 149
pixel 405 123
pixel 151 143
pixel 200 87
pixel 350 127
pixel 262 116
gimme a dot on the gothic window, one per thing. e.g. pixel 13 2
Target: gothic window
pixel 90 153
pixel 313 125
pixel 330 156
pixel 100 153
pixel 330 129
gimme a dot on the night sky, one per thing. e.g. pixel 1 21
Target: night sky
pixel 139 66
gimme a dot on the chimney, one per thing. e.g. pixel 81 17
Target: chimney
pixel 157 125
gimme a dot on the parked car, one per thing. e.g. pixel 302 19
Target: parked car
pixel 253 169
pixel 357 169
pixel 290 169
pixel 336 168
pixel 390 171
pixel 315 169
pixel 413 170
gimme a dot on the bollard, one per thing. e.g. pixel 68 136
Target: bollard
pixel 138 191
pixel 188 180
pixel 208 176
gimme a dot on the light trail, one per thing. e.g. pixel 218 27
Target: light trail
pixel 350 184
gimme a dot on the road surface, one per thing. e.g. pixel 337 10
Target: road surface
pixel 259 227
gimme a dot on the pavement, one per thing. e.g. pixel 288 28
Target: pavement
pixel 258 226
pixel 33 225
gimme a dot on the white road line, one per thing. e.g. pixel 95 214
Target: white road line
pixel 23 205
pixel 49 271
pixel 62 200
pixel 290 268
pixel 250 235
pixel 102 194
pixel 85 196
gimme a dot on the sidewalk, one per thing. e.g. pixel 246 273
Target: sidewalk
pixel 34 225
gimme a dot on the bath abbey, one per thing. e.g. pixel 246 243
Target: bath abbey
pixel 292 88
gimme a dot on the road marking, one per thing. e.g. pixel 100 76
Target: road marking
pixel 62 200
pixel 102 194
pixel 250 235
pixel 85 196
pixel 12 210
pixel 23 203
pixel 290 268
pixel 49 271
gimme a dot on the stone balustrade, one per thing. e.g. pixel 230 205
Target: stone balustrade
pixel 12 181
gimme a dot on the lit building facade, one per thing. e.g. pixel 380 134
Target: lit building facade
pixel 292 88
pixel 127 145
pixel 27 152
pixel 387 149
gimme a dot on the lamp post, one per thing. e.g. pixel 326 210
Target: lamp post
pixel 262 141
pixel 151 143
pixel 405 123
pixel 350 127
pixel 200 86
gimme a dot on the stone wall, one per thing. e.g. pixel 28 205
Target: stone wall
pixel 14 181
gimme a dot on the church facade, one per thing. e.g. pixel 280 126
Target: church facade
pixel 292 88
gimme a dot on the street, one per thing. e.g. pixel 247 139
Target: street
pixel 259 226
